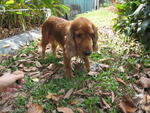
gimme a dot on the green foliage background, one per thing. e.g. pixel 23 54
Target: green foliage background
pixel 134 20
pixel 24 19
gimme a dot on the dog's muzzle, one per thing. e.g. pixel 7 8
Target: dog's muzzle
pixel 87 53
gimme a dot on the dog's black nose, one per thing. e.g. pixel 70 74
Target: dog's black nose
pixel 87 53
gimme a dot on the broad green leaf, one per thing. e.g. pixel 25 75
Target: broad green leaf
pixel 9 2
pixel 21 13
pixel 20 1
pixel 145 24
pixel 138 10
pixel 58 11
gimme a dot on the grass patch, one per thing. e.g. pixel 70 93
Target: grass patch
pixel 102 16
pixel 50 59
pixel 55 86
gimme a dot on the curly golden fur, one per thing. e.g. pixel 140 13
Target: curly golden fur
pixel 76 38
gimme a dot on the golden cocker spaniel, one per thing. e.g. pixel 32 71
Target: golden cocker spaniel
pixel 76 38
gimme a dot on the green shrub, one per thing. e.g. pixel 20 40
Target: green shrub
pixel 34 16
pixel 134 20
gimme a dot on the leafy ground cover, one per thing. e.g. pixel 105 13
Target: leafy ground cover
pixel 109 85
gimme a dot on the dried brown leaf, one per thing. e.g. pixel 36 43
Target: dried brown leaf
pixel 56 69
pixel 49 96
pixel 46 75
pixel 142 100
pixel 137 89
pixel 147 71
pixel 53 96
pixel 21 65
pixel 38 64
pixel 147 98
pixel 106 105
pixel 1 67
pixel 79 92
pixel 22 55
pixel 8 109
pixel 51 66
pixel 104 66
pixel 64 110
pixel 80 110
pixel 35 108
pixel 78 101
pixel 34 74
pixel 144 82
pixel 68 94
pixel 29 69
pixel 62 91
pixel 135 55
pixel 14 57
pixel 6 45
pixel 56 98
pixel 29 102
pixel 91 73
pixel 113 96
pixel 52 72
pixel 105 59
pixel 127 105
pixel 104 94
pixel 121 69
pixel 136 75
pixel 121 81
pixel 127 109
pixel 146 108
pixel 139 66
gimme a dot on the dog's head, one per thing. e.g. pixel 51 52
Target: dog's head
pixel 82 38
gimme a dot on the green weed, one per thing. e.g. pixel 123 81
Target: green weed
pixel 50 59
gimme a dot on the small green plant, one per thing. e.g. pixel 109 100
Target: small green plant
pixel 29 83
pixel 96 56
pixel 91 101
pixel 26 64
pixel 34 16
pixel 50 59
pixel 28 50
pixel 134 22
pixel 10 61
pixel 21 101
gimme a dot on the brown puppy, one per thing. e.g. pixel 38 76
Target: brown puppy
pixel 76 38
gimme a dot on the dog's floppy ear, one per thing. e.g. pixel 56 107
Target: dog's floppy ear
pixel 95 38
pixel 70 49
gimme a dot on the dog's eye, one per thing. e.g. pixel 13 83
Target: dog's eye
pixel 79 35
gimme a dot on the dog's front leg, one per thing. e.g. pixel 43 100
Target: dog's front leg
pixel 68 69
pixel 87 64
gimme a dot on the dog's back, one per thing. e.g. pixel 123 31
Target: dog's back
pixel 54 29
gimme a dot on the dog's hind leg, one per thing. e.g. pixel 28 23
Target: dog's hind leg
pixel 44 43
pixel 44 40
pixel 43 49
